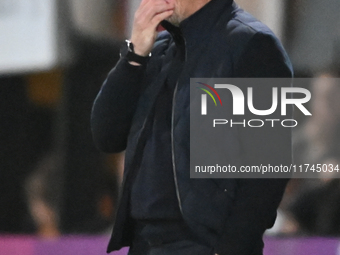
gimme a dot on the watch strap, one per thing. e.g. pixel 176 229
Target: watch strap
pixel 131 56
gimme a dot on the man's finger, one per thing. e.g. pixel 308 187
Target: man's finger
pixel 161 16
pixel 152 9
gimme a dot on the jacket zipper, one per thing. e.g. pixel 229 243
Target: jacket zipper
pixel 172 148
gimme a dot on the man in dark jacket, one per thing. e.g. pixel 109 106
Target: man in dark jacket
pixel 143 108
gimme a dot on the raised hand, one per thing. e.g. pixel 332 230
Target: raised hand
pixel 147 17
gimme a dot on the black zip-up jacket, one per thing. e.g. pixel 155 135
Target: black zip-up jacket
pixel 221 40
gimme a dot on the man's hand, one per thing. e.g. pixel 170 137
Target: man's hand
pixel 147 17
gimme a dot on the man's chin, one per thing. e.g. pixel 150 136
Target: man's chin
pixel 173 20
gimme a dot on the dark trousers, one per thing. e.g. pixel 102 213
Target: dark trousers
pixel 166 238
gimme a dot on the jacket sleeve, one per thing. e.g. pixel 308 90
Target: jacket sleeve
pixel 256 200
pixel 114 106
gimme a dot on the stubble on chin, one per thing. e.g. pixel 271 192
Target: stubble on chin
pixel 174 20
pixel 177 16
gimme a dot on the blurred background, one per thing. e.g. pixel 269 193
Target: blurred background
pixel 54 56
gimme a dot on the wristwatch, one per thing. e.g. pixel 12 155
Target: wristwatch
pixel 129 53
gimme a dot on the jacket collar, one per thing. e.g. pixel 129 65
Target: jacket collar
pixel 197 27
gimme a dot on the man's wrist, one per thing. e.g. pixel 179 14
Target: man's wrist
pixel 140 52
pixel 132 57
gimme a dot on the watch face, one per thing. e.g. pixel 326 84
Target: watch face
pixel 124 49
pixel 130 45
